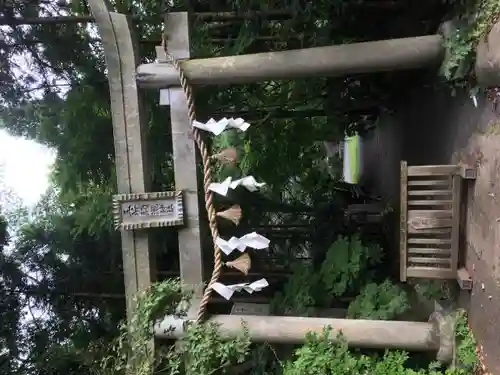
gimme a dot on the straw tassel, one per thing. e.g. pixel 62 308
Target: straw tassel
pixel 227 156
pixel 233 214
pixel 242 263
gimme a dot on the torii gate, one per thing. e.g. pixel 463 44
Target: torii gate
pixel 125 76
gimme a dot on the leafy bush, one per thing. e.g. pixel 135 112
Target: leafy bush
pixel 466 355
pixel 431 290
pixel 346 268
pixel 202 350
pixel 297 294
pixel 379 301
pixel 347 265
pixel 264 360
pixel 320 355
pixel 131 351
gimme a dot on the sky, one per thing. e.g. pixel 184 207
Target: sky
pixel 25 164
pixel 25 167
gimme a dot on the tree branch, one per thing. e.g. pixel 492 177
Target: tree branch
pixel 254 115
pixel 205 16
pixel 156 42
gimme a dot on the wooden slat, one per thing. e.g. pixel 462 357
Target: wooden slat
pixel 429 202
pixel 419 223
pixel 412 230
pixel 428 183
pixel 455 229
pixel 429 213
pixel 423 260
pixel 429 241
pixel 424 250
pixel 403 236
pixel 429 192
pixel 432 170
pixel 430 273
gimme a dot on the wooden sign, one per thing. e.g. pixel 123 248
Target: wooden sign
pixel 240 308
pixel 148 210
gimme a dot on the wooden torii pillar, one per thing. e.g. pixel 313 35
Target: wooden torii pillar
pixel 136 208
pixel 128 132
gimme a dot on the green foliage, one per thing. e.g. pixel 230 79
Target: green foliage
pixel 265 361
pixel 10 306
pixel 236 139
pixel 131 352
pixel 320 355
pixel 431 289
pixel 298 294
pixel 202 350
pixel 466 351
pixel 475 20
pixel 4 235
pixel 384 301
pixel 347 265
pixel 346 268
pixel 93 211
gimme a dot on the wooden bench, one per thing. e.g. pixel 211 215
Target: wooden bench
pixel 430 221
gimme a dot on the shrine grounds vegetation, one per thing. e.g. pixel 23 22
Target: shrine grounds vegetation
pixel 204 351
pixel 61 279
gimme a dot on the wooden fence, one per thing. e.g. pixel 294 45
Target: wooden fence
pixel 430 220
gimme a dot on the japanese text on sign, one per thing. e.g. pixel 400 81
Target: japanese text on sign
pixel 148 209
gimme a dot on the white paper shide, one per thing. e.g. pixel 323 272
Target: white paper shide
pixel 252 240
pixel 227 291
pixel 248 183
pixel 164 97
pixel 217 127
pixel 223 187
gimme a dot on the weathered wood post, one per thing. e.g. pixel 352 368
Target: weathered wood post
pixel 185 161
pixel 437 335
pixel 136 209
pixel 128 130
pixel 368 57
